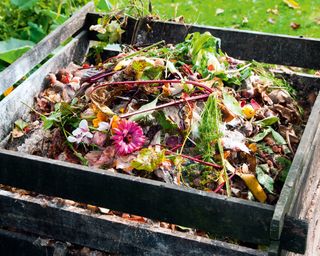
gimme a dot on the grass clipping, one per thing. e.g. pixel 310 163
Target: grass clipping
pixel 210 135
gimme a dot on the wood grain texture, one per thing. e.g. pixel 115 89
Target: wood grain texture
pixel 26 62
pixel 14 106
pixel 107 233
pixel 307 201
pixel 156 200
pixel 298 172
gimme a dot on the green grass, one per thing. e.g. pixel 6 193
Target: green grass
pixel 236 12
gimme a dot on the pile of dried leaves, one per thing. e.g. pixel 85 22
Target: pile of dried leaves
pixel 186 114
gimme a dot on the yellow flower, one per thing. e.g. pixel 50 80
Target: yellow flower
pixel 101 117
pixel 248 111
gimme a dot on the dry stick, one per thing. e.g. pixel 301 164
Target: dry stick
pixel 172 103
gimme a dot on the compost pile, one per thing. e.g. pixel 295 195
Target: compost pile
pixel 187 114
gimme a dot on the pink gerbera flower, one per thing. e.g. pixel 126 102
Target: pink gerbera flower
pixel 128 137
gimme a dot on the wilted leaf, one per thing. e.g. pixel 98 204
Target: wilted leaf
pixel 254 186
pixel 294 25
pixel 292 4
pixel 21 124
pixel 17 133
pixel 264 179
pixel 148 160
pixel 219 11
pixel 150 105
pixel 232 104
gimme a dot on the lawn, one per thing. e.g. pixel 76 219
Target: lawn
pixel 274 16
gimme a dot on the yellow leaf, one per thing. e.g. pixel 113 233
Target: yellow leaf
pixel 292 4
pixel 254 186
pixel 8 91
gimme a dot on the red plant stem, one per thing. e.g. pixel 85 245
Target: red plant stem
pixel 172 103
pixel 98 76
pixel 196 160
pixel 200 85
pixel 223 183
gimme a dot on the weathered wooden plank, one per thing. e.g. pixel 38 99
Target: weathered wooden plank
pixel 298 171
pixel 301 81
pixel 16 244
pixel 33 57
pixel 306 202
pixel 246 45
pixel 13 106
pixel 107 233
pixel 152 199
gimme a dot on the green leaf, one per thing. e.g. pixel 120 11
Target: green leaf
pixel 58 18
pixel 104 5
pixel 166 124
pixel 150 106
pixel 21 124
pixel 278 138
pixel 148 159
pixel 267 121
pixel 36 32
pixel 285 167
pixel 24 4
pixel 232 104
pixel 264 179
pixel 13 48
pixel 260 136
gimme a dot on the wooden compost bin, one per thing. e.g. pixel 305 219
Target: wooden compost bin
pixel 277 226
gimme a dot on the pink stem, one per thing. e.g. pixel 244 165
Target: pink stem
pixel 200 85
pixel 223 183
pixel 172 103
pixel 196 160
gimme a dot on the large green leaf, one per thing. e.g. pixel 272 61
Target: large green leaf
pixel 13 48
pixel 104 5
pixel 24 4
pixel 36 32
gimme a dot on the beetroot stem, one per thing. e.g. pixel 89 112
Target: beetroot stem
pixel 172 103
pixel 196 160
pixel 200 85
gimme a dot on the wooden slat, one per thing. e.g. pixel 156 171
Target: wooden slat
pixel 306 201
pixel 17 244
pixel 33 57
pixel 152 199
pixel 107 233
pixel 298 171
pixel 13 106
pixel 188 207
pixel 246 45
